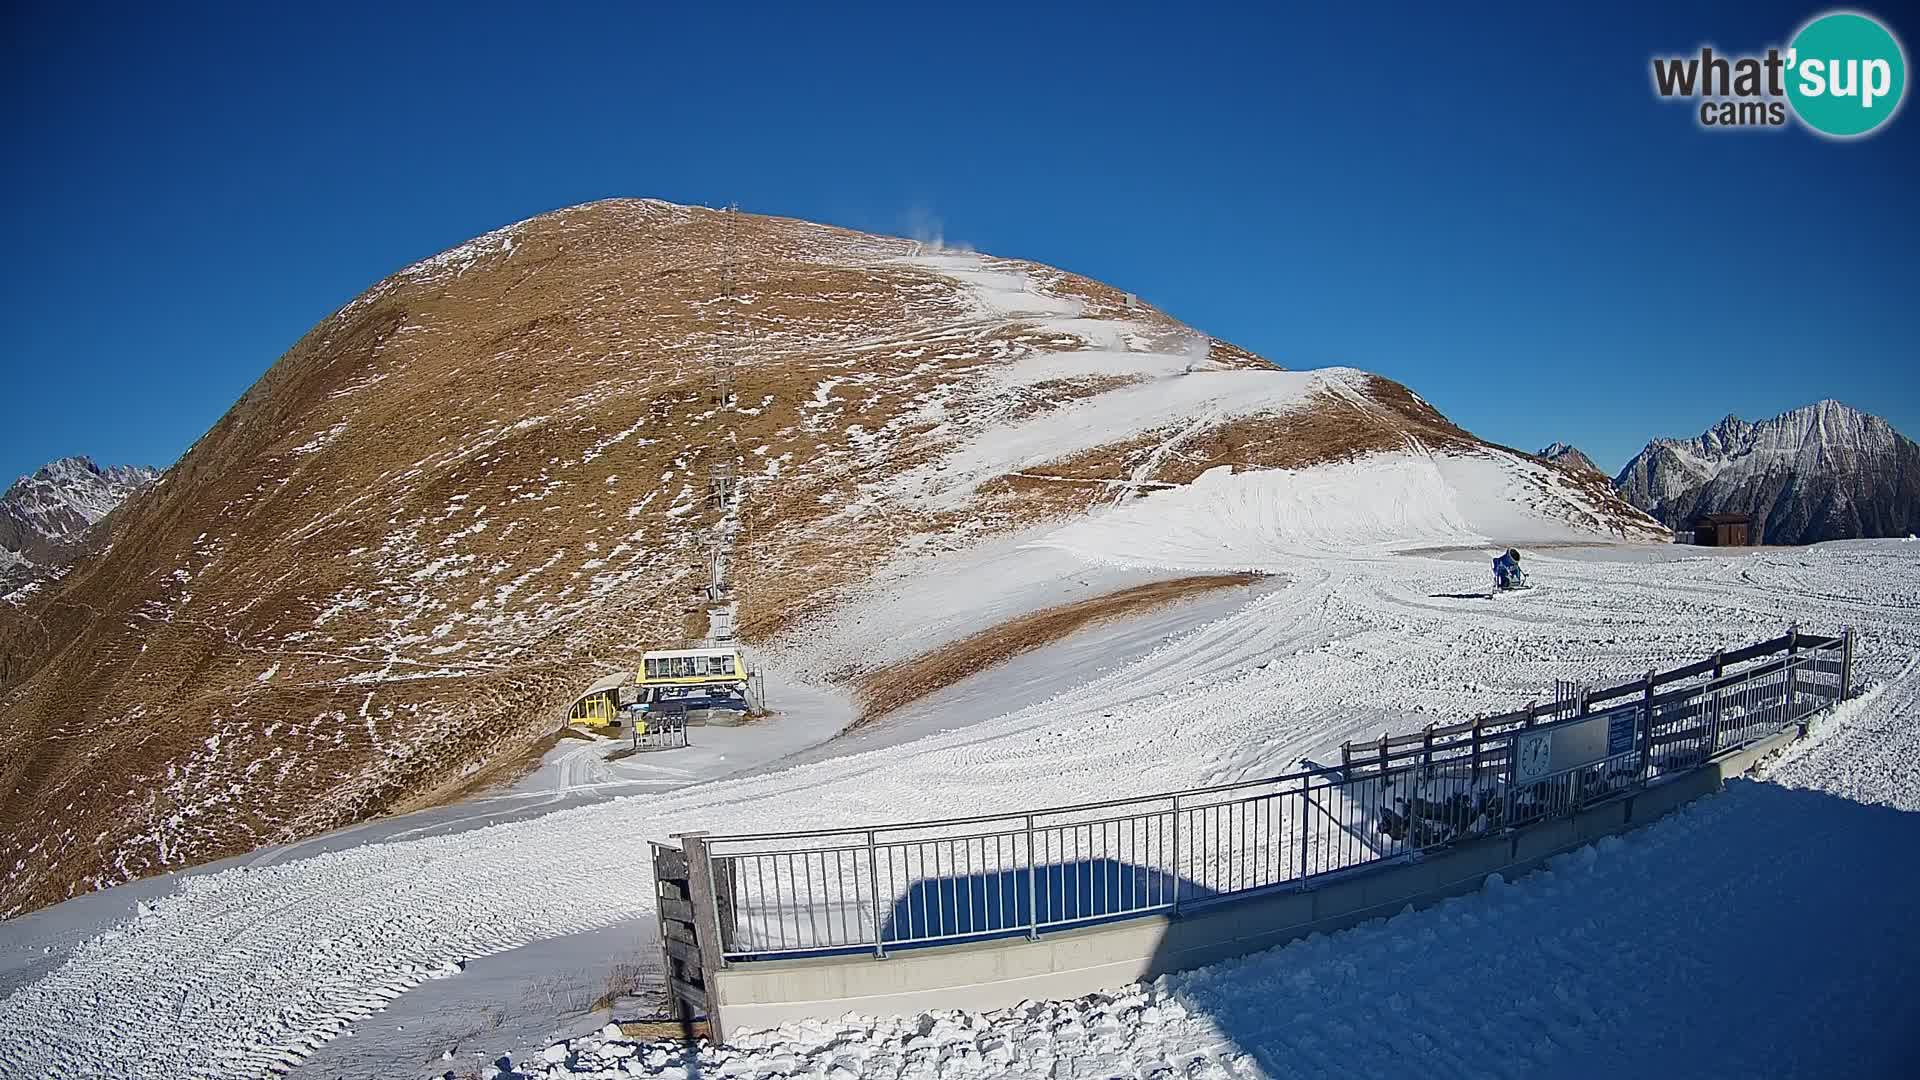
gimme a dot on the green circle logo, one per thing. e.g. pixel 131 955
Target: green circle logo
pixel 1846 74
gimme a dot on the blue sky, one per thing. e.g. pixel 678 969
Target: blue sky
pixel 1492 208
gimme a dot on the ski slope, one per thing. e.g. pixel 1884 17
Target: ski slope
pixel 1762 932
pixel 1383 503
pixel 250 969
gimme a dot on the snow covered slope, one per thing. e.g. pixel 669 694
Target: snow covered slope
pixel 44 516
pixel 1823 472
pixel 1727 937
pixel 1378 503
pixel 485 482
pixel 248 968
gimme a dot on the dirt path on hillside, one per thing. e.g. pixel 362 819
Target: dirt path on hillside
pixel 889 688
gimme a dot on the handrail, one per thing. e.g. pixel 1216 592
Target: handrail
pixel 1419 738
pixel 1620 691
pixel 1034 870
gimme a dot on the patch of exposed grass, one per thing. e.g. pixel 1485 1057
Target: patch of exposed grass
pixel 895 685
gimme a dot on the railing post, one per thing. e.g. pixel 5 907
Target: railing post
pixel 1306 823
pixel 1713 722
pixel 1176 855
pixel 1793 669
pixel 1426 753
pixel 1513 778
pixel 873 886
pixel 1473 773
pixel 1846 663
pixel 1383 756
pixel 1346 759
pixel 1033 892
pixel 706 922
pixel 1646 730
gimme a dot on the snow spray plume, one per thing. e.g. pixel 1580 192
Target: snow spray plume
pixel 925 228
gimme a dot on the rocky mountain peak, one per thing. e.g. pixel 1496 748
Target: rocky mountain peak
pixel 45 513
pixel 1568 456
pixel 1825 471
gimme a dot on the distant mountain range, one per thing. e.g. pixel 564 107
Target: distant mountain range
pixel 45 516
pixel 1823 472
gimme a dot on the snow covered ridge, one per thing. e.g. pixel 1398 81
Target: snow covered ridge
pixel 1823 472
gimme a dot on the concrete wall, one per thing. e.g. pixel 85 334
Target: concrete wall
pixel 1067 964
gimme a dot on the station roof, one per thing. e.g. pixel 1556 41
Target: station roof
pixel 724 650
pixel 611 681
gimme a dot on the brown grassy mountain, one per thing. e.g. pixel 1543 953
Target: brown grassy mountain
pixel 482 483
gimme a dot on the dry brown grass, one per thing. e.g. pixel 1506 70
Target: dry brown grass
pixel 663 1030
pixel 895 685
pixel 624 979
pixel 239 561
pixel 505 772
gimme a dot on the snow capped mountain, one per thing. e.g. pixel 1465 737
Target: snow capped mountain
pixel 44 516
pixel 1568 457
pixel 1823 472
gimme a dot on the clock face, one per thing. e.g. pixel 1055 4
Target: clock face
pixel 1535 754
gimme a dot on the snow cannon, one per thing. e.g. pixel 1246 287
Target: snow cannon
pixel 1507 574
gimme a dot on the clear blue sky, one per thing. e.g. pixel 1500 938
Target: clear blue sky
pixel 1492 208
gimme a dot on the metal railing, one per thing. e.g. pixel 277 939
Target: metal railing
pixel 660 732
pixel 892 886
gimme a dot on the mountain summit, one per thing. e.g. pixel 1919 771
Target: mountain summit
pixel 45 515
pixel 504 472
pixel 1823 472
pixel 1569 457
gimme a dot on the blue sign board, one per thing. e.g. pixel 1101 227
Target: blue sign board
pixel 1620 732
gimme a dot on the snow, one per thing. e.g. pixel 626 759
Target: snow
pixel 1178 402
pixel 1674 951
pixel 917 602
pixel 1097 363
pixel 457 260
pixel 1044 674
pixel 995 289
pixel 354 922
pixel 1377 504
pixel 60 501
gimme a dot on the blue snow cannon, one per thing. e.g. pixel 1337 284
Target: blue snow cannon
pixel 1507 574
